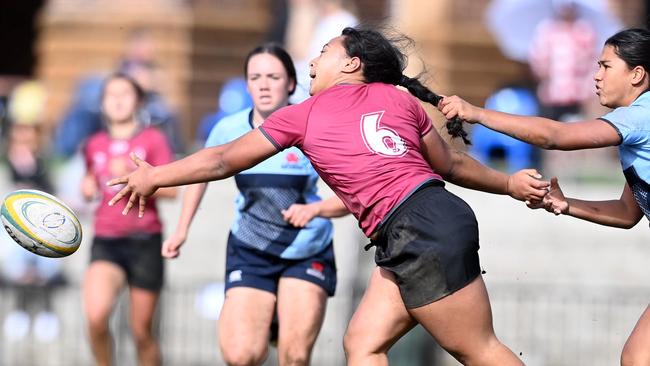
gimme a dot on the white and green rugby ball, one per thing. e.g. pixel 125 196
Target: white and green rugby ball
pixel 41 223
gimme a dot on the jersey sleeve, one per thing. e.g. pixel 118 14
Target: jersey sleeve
pixel 630 123
pixel 286 126
pixel 422 118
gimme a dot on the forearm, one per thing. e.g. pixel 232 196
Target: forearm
pixel 167 192
pixel 610 213
pixel 538 131
pixel 203 166
pixel 332 207
pixel 191 201
pixel 466 172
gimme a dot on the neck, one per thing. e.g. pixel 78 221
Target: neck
pixel 259 117
pixel 123 130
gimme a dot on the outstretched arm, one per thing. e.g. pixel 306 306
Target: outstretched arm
pixel 208 164
pixel 461 169
pixel 542 132
pixel 300 214
pixel 622 213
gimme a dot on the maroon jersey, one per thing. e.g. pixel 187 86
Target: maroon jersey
pixel 108 158
pixel 364 141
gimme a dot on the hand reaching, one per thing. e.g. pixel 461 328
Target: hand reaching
pixel 455 106
pixel 555 201
pixel 526 185
pixel 138 183
pixel 299 215
pixel 171 247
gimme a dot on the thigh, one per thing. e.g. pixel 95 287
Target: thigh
pixel 143 308
pixel 637 347
pixel 102 284
pixel 301 309
pixel 245 318
pixel 381 317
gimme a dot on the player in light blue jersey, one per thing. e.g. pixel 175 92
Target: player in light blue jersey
pixel 622 83
pixel 279 252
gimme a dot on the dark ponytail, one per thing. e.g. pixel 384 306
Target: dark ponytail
pixel 383 62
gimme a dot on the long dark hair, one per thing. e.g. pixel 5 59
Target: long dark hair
pixel 384 62
pixel 632 46
pixel 279 53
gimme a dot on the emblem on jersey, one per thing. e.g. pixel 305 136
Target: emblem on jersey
pixel 316 270
pixel 235 276
pixel 379 139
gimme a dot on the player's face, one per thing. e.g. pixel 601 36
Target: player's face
pixel 268 83
pixel 613 80
pixel 326 69
pixel 120 100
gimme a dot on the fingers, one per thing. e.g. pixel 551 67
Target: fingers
pixel 120 180
pixel 136 159
pixel 533 173
pixel 130 204
pixel 143 205
pixel 554 184
pixel 123 192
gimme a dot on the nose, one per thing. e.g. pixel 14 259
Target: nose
pixel 599 74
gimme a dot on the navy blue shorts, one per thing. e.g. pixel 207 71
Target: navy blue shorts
pixel 249 267
pixel 139 258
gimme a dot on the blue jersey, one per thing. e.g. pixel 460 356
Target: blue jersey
pixel 267 188
pixel 633 125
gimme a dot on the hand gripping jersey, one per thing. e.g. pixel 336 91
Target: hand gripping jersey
pixel 364 141
pixel 633 125
pixel 266 189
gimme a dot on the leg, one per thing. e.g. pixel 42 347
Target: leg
pixel 100 290
pixel 244 325
pixel 301 309
pixel 379 321
pixel 462 325
pixel 637 348
pixel 143 308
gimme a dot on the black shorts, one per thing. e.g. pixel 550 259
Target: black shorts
pixel 250 267
pixel 140 258
pixel 430 244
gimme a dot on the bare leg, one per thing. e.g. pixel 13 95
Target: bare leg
pixel 379 321
pixel 301 309
pixel 462 325
pixel 244 326
pixel 102 284
pixel 637 348
pixel 143 307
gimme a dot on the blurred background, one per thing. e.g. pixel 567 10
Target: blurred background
pixel 563 292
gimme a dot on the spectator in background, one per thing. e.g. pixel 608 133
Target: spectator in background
pixel 31 276
pixel 233 98
pixel 125 251
pixel 561 57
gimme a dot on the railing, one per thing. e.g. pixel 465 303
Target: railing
pixel 548 325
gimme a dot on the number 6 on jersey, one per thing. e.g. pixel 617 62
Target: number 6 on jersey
pixel 381 140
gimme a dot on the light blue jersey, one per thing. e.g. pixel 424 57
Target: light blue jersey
pixel 267 188
pixel 633 125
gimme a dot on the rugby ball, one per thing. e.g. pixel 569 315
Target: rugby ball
pixel 41 223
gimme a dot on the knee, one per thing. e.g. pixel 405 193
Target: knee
pixel 241 356
pixel 475 354
pixel 97 324
pixel 357 344
pixel 635 356
pixel 294 356
pixel 142 334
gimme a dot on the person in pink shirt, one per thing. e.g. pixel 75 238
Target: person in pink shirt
pixel 125 250
pixel 375 146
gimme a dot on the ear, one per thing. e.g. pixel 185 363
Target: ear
pixel 352 65
pixel 639 75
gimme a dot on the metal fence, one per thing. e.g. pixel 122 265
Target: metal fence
pixel 548 325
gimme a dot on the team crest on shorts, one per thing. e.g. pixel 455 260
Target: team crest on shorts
pixel 317 270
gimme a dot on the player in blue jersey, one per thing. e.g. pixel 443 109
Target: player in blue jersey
pixel 622 83
pixel 279 252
